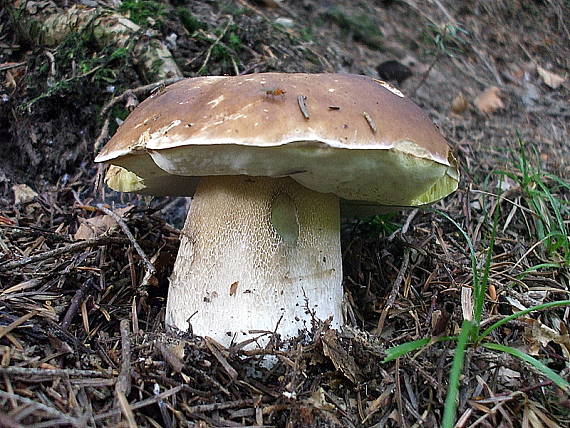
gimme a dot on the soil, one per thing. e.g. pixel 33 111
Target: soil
pixel 81 328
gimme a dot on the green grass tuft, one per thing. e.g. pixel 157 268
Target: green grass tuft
pixel 546 196
pixel 542 191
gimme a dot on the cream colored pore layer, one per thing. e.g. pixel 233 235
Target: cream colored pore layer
pixel 386 177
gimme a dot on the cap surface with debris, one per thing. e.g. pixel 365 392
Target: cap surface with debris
pixel 354 136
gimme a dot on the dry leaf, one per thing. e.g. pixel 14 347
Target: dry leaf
pixel 318 400
pixel 96 226
pixel 551 79
pixel 342 360
pixel 539 335
pixel 14 73
pixel 509 377
pixel 23 194
pixel 489 100
pixel 459 104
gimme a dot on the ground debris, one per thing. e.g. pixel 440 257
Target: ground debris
pixel 82 338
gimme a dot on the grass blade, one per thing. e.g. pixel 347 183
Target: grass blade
pixel 456 369
pixel 505 320
pixel 481 287
pixel 406 348
pixel 479 283
pixel 549 373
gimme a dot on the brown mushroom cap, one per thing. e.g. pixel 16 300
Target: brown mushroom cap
pixel 354 136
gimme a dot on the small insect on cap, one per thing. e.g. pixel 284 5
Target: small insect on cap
pixel 354 136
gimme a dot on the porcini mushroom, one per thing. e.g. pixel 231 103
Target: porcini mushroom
pixel 269 158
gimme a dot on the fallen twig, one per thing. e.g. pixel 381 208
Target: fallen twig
pixel 76 246
pixel 172 359
pixel 126 409
pixel 124 379
pixel 213 45
pixel 301 100
pixel 401 420
pixel 75 302
pixel 202 408
pixel 141 90
pixel 47 409
pixel 102 135
pixel 125 228
pixel 212 346
pixel 141 404
pixel 394 292
pixel 33 371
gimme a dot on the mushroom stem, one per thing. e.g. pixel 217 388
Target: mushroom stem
pixel 256 253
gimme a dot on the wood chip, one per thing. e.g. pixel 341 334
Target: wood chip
pixel 213 347
pixel 370 121
pixel 301 99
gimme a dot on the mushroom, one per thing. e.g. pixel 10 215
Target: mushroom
pixel 270 160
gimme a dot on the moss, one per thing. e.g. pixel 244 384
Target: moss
pixel 190 22
pixel 139 11
pixel 81 68
pixel 233 41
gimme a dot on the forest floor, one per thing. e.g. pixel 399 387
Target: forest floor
pixel 82 335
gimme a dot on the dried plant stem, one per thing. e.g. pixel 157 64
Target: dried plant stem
pixel 394 292
pixel 213 45
pixel 33 371
pixel 426 73
pixel 76 246
pixel 140 90
pixel 149 267
pixel 47 409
